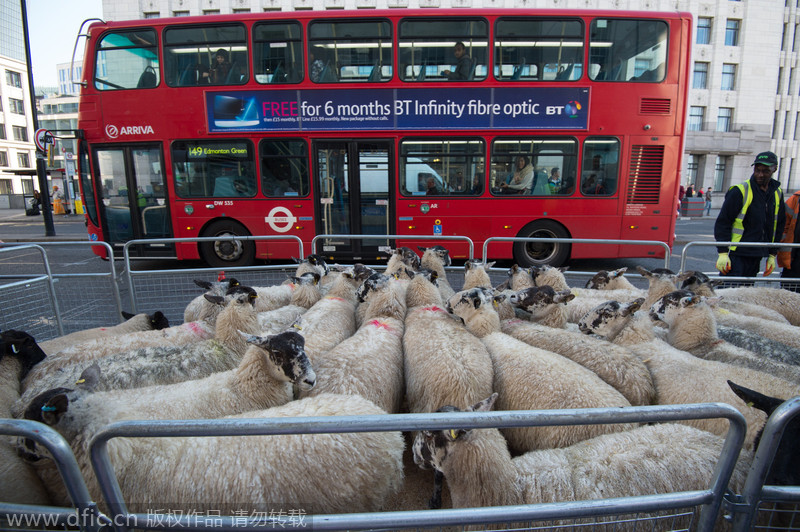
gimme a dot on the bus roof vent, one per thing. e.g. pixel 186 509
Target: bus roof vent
pixel 655 106
pixel 644 178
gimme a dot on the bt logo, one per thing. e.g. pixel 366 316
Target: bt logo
pixel 572 108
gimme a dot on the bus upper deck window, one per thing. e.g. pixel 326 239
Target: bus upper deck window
pixel 628 50
pixel 206 55
pixel 278 52
pixel 127 60
pixel 350 51
pixel 443 49
pixel 538 49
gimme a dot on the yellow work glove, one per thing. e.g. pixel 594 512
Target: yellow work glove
pixel 723 263
pixel 770 265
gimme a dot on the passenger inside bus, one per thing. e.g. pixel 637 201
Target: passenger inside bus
pixel 464 69
pixel 521 179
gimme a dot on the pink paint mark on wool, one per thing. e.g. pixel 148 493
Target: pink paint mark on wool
pixel 335 298
pixel 195 327
pixel 434 308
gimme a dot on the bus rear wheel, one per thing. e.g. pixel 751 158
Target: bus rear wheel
pixel 225 254
pixel 528 254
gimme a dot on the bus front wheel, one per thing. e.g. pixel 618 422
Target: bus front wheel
pixel 529 254
pixel 227 253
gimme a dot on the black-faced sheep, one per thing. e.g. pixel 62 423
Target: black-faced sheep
pixel 680 377
pixel 18 354
pixel 703 285
pixel 402 259
pixel 692 328
pixel 133 323
pixel 199 308
pixel 365 468
pixel 613 280
pixel 530 378
pixel 653 459
pixel 545 306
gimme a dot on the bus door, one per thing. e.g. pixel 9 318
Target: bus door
pixel 353 183
pixel 133 197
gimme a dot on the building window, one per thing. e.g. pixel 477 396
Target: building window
pixel 732 32
pixel 20 133
pixel 691 168
pixel 796 122
pixel 14 79
pixel 786 126
pixel 728 76
pixel 3 158
pixel 719 172
pixel 783 37
pixel 180 13
pixel 2 132
pixel 696 117
pixel 703 30
pixel 211 11
pixel 779 90
pixel 17 106
pixel 241 10
pixel 152 14
pixel 6 186
pixel 700 77
pixel 791 81
pixel 724 119
pixel 23 160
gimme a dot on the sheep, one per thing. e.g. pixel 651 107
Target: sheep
pixel 546 306
pixel 199 308
pixel 370 362
pixel 365 468
pixel 530 378
pixel 305 293
pixel 312 264
pixel 444 363
pixel 785 467
pixel 692 328
pixel 761 346
pixel 164 364
pixel 781 300
pixel 680 377
pixel 662 458
pixel 616 365
pixel 262 379
pixel 18 354
pixel 437 258
pixel 134 322
pixel 518 279
pixel 548 276
pixel 331 319
pixel 613 280
pixel 476 274
pixel 661 281
pixel 402 258
pixel 702 285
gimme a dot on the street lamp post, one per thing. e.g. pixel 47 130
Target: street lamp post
pixel 41 169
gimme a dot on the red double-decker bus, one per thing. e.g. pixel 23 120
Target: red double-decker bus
pixel 498 123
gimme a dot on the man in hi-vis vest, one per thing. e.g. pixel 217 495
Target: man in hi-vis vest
pixel 752 212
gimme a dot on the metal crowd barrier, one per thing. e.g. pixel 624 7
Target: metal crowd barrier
pixel 706 501
pixel 491 240
pixel 774 280
pixel 431 238
pixel 50 304
pixel 171 290
pixel 84 513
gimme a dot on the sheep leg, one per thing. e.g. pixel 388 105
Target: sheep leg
pixel 435 501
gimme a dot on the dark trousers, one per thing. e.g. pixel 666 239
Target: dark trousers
pixel 742 266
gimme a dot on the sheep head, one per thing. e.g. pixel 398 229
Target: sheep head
pixel 286 351
pixel 608 319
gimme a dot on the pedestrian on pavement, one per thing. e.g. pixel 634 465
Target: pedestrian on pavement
pixel 708 201
pixel 789 258
pixel 690 191
pixel 58 201
pixel 753 211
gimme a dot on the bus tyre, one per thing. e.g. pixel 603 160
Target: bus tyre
pixel 222 253
pixel 528 254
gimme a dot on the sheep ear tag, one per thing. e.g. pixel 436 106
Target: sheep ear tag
pixel 495 303
pixel 453 434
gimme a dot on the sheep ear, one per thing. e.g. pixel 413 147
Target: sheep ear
pixel 316 277
pixel 633 306
pixel 565 296
pixel 422 249
pixel 468 266
pixel 563 269
pixel 233 282
pixel 217 300
pixel 90 378
pixel 297 261
pixel 489 265
pixel 54 409
pixel 159 321
pixel 484 406
pixel 127 315
pixel 499 298
pixel 757 400
pixel 643 271
pixel 255 340
pixel 203 284
pixel 715 283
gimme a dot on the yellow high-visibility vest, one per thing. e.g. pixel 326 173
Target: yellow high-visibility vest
pixel 738 223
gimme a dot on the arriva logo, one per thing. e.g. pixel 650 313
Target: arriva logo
pixel 113 132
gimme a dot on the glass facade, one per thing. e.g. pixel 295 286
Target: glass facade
pixel 12 43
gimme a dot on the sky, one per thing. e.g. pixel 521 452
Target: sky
pixel 53 26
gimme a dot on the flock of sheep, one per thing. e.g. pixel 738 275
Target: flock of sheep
pixel 356 342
